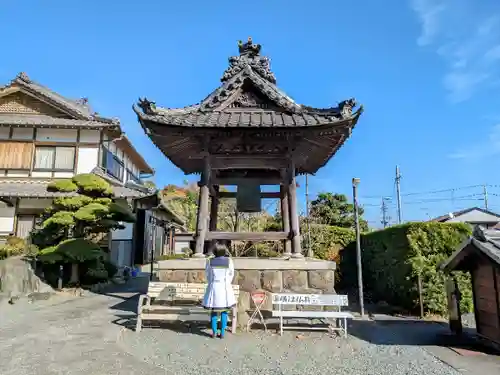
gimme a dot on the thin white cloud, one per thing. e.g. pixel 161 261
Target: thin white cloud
pixel 467 37
pixel 481 150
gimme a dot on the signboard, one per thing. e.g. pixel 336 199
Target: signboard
pixel 258 297
pixel 310 299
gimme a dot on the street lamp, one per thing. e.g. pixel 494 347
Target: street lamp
pixel 355 183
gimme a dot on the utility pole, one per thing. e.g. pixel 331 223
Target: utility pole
pixel 398 192
pixel 485 196
pixel 384 208
pixel 355 183
pixel 308 221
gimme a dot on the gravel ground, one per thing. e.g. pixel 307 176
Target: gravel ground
pixel 70 335
pixel 293 353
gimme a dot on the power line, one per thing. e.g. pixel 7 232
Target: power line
pixel 428 192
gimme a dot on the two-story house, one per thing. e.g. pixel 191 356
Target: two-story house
pixel 43 136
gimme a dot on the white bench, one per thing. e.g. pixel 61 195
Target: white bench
pixel 183 303
pixel 338 301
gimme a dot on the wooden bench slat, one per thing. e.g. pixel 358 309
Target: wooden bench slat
pixel 177 292
pixel 169 295
pixel 160 284
pixel 321 300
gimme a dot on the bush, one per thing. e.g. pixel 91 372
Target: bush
pixel 327 241
pixel 15 246
pixel 394 257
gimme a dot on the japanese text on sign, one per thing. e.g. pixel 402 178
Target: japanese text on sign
pixel 299 299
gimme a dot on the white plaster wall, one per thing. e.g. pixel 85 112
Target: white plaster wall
pixel 6 218
pixel 90 136
pixel 56 135
pixel 124 234
pixel 41 174
pixel 14 173
pixel 475 217
pixel 63 174
pixel 179 245
pixel 87 159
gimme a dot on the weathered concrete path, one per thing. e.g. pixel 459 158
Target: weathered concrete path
pixel 71 335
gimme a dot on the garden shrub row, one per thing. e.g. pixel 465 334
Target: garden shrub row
pixel 394 257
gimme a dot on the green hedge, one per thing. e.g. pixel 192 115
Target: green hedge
pixel 392 259
pixel 327 241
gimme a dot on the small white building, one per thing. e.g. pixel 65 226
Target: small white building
pixel 473 216
pixel 44 135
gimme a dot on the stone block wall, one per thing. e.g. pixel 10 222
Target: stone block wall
pixel 309 281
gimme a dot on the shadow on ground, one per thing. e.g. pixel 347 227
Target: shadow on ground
pixel 416 332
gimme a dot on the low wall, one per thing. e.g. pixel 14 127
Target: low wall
pixel 310 276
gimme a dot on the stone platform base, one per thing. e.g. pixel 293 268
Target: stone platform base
pixel 272 275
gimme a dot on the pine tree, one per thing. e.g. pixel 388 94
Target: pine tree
pixel 73 226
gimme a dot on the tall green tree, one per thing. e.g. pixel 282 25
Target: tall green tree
pixel 73 226
pixel 335 210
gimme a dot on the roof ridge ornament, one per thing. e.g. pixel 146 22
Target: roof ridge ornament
pixel 248 48
pixel 22 76
pixel 249 57
pixel 147 106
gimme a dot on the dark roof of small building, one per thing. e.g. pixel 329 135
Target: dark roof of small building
pixel 248 97
pixel 447 217
pixel 484 241
pixel 156 201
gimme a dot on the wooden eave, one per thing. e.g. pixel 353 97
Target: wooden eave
pixel 313 146
pixel 125 144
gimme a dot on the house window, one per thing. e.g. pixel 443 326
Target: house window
pixel 112 165
pixel 132 177
pixel 54 159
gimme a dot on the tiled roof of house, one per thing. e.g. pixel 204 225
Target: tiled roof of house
pixel 447 217
pixel 48 121
pixel 79 115
pixel 38 189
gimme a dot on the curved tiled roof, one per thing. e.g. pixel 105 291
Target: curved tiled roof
pixel 248 74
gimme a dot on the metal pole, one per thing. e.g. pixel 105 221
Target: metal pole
pixel 355 183
pixel 485 194
pixel 420 297
pixel 398 192
pixel 308 222
pixel 152 242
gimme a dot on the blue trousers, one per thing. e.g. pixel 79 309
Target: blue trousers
pixel 223 322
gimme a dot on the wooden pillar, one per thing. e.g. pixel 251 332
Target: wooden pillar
pixel 285 217
pixel 203 211
pixel 294 215
pixel 214 210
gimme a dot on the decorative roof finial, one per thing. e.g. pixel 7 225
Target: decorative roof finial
pixel 148 107
pixel 248 48
pixel 23 77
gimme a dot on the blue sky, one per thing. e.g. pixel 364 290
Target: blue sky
pixel 426 71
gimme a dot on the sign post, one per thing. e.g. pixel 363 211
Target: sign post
pixel 259 298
